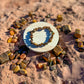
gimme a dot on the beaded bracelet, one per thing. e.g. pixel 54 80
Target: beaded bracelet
pixel 40 29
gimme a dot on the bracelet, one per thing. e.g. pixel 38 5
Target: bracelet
pixel 40 29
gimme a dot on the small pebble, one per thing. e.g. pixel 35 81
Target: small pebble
pixel 39 65
pixel 22 65
pixel 48 16
pixel 44 66
pixel 13 65
pixel 22 56
pixel 23 71
pixel 9 40
pixel 17 56
pixel 12 57
pixel 19 61
pixel 59 18
pixel 16 69
pixel 52 67
pixel 34 21
pixel 26 61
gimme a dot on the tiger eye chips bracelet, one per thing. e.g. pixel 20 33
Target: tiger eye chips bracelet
pixel 40 29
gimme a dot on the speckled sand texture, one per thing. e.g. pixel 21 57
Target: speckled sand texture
pixel 73 14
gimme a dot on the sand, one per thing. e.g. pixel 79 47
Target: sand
pixel 73 14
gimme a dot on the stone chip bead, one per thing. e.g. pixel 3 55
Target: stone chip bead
pixel 16 69
pixel 59 18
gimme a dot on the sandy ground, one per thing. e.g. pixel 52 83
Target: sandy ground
pixel 73 14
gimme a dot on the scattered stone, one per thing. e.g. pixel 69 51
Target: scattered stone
pixel 17 56
pixel 62 44
pixel 12 56
pixel 52 67
pixel 22 56
pixel 54 61
pixel 12 32
pixel 66 29
pixel 58 60
pixel 26 61
pixel 9 40
pixel 44 66
pixel 19 61
pixel 23 21
pixel 64 52
pixel 14 39
pixel 39 65
pixel 80 44
pixel 30 14
pixel 45 20
pixel 81 49
pixel 46 56
pixel 77 33
pixel 23 72
pixel 58 50
pixel 17 24
pixel 48 16
pixel 13 65
pixel 22 65
pixel 4 57
pixel 77 40
pixel 58 26
pixel 16 69
pixel 50 62
pixel 34 21
pixel 59 18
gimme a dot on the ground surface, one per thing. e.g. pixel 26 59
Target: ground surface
pixel 73 14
